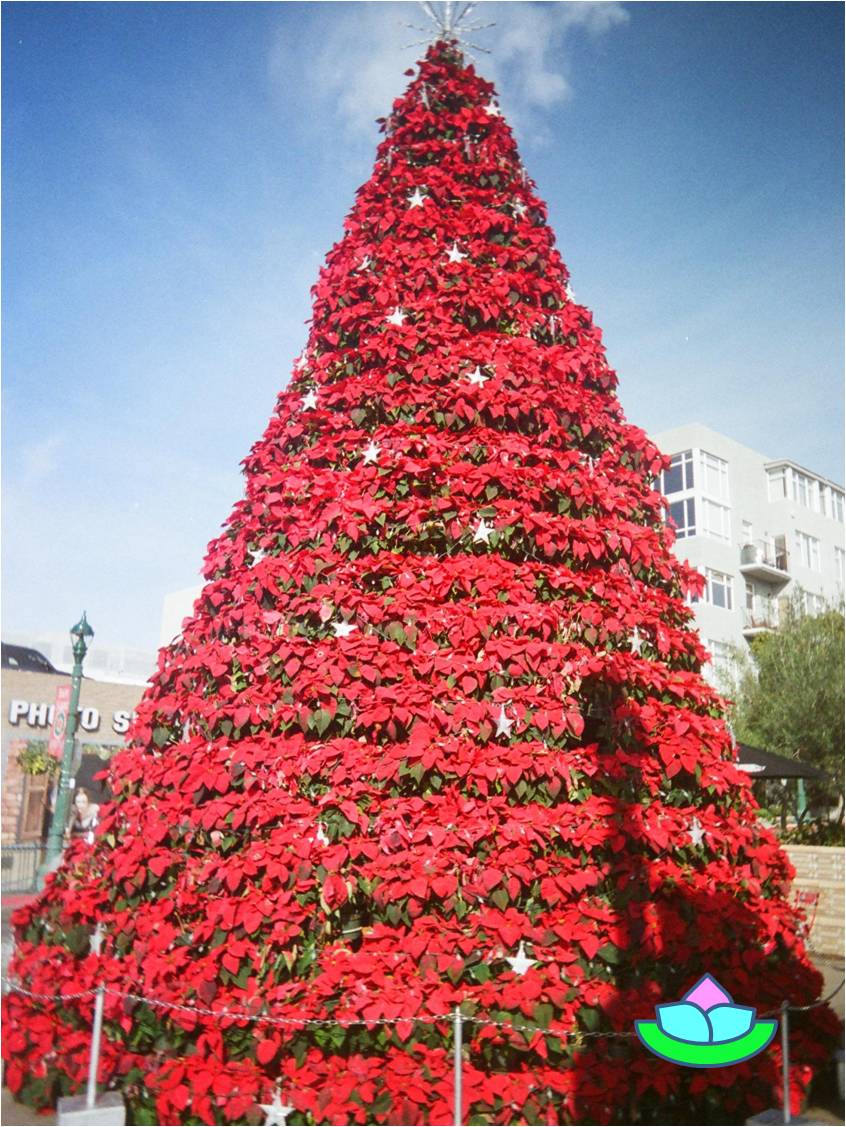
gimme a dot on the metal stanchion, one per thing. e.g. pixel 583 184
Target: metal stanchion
pixel 456 1057
pixel 94 1059
pixel 88 1110
pixel 785 1060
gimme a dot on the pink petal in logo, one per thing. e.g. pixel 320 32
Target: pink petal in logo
pixel 707 993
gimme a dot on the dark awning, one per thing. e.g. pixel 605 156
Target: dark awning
pixel 762 764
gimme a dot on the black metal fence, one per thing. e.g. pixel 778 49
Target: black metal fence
pixel 19 866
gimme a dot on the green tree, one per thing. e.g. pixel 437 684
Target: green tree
pixel 788 695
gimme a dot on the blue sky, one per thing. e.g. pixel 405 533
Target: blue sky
pixel 174 174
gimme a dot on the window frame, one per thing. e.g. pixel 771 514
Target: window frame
pixel 682 461
pixel 715 579
pixel 686 528
pixel 710 464
pixel 808 550
pixel 710 507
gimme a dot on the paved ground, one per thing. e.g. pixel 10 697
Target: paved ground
pixel 15 1115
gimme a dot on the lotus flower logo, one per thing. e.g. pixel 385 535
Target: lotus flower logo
pixel 705 1029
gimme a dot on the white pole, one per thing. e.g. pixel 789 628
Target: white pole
pixel 456 1046
pixel 97 1028
pixel 94 1060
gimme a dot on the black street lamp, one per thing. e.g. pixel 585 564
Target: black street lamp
pixel 81 635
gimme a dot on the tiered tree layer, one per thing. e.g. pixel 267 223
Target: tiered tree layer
pixel 440 698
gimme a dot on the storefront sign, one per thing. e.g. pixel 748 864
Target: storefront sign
pixel 41 715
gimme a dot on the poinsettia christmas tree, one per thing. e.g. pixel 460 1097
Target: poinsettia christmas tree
pixel 435 734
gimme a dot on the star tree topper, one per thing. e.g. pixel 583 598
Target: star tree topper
pixel 450 22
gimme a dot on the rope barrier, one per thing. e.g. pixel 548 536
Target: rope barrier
pixel 10 986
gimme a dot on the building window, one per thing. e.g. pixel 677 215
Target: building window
pixel 805 490
pixel 721 653
pixel 840 565
pixel 721 668
pixel 714 476
pixel 808 549
pixel 683 515
pixel 679 477
pixel 836 508
pixel 776 484
pixel 718 589
pixel 813 603
pixel 716 520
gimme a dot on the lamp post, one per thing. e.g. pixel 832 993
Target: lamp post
pixel 81 635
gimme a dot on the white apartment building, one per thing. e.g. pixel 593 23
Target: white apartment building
pixel 758 530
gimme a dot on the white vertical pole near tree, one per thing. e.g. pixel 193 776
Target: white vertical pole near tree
pixel 456 1051
pixel 97 1030
pixel 94 1061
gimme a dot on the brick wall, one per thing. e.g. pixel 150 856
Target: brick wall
pixel 820 869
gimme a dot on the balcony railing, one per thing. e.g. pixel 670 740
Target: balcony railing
pixel 762 615
pixel 765 559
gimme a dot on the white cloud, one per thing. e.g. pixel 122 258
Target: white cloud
pixel 532 48
pixel 39 459
pixel 356 53
pixel 349 56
